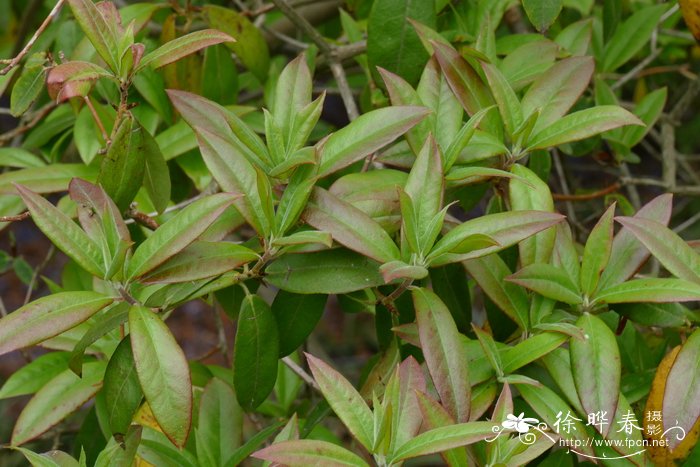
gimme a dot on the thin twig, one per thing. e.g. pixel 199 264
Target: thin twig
pixel 18 58
pixel 16 218
pixel 587 196
pixel 299 371
pixel 637 70
pixel 98 121
pixel 345 90
pixel 38 117
pixel 37 271
pixel 302 23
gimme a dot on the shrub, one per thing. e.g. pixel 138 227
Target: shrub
pixel 429 211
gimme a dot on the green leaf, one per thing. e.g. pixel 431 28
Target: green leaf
pixel 680 399
pixel 466 84
pixel 444 353
pixel 596 253
pixel 506 100
pixel 406 417
pixel 99 31
pixel 334 271
pixel 443 439
pixel 122 170
pixel 255 354
pixel 29 85
pixel 425 186
pixel 595 364
pixel 344 399
pixel 121 390
pixel 542 13
pixel 435 93
pixel 176 234
pixel 663 315
pixel 47 459
pixel 292 94
pixel 60 397
pixel 650 290
pixel 666 246
pixel 435 416
pixel 527 191
pixel 648 110
pixel 114 317
pixel 400 270
pixel 350 226
pixel 220 427
pixel 557 90
pixel 490 273
pixel 47 317
pixel 156 177
pixel 200 260
pixel 630 37
pixel 581 125
pixel 297 315
pixel 531 349
pixel 251 445
pixel 19 158
pixel 627 254
pixel 506 229
pixel 63 232
pixel 163 372
pixel 34 375
pixel 251 47
pixel 392 43
pixel 309 452
pixel 183 46
pixel 45 179
pixel 549 281
pixel 365 135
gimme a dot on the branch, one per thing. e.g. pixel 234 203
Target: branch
pixel 292 365
pixel 18 217
pixel 18 58
pixel 587 196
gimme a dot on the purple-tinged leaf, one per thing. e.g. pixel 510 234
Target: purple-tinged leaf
pixel 344 399
pixel 650 290
pixel 200 260
pixel 557 90
pixel 98 30
pixel 399 270
pixel 435 416
pixel 444 353
pixel 63 232
pixel 666 246
pixel 467 85
pixel 596 253
pixel 60 397
pixel 310 452
pixel 47 317
pixel 173 236
pixel 581 125
pixel 183 46
pixel 163 371
pixel 71 78
pixel 627 254
pixel 349 226
pixel 595 364
pixel 443 439
pixel 506 229
pixel 365 135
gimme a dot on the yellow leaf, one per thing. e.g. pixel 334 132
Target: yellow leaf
pixel 691 15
